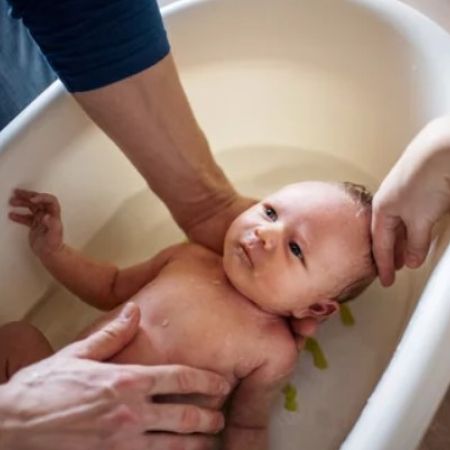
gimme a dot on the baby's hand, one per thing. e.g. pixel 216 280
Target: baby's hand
pixel 43 218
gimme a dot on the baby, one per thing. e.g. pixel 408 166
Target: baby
pixel 298 253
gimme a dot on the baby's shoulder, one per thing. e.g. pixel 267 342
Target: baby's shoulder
pixel 280 348
pixel 196 251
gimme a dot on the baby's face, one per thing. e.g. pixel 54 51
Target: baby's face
pixel 297 247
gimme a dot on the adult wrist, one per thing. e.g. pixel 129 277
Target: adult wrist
pixel 7 433
pixel 438 133
pixel 429 152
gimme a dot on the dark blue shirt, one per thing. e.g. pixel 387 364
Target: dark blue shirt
pixel 92 43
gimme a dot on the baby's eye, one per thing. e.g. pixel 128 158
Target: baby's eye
pixel 270 213
pixel 296 250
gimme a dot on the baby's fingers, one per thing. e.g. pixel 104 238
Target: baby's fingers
pixel 24 194
pixel 24 219
pixel 20 202
pixel 49 201
pixel 22 199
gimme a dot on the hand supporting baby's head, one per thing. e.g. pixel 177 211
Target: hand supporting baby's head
pixel 303 250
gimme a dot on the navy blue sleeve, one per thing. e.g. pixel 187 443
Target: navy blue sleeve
pixel 92 43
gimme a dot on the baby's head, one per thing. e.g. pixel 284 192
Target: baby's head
pixel 303 250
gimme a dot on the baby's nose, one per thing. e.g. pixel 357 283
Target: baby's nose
pixel 268 236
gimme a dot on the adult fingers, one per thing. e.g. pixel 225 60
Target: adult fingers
pixel 383 241
pixel 166 441
pixel 418 238
pixel 109 339
pixel 300 342
pixel 301 329
pixel 400 246
pixel 183 419
pixel 304 327
pixel 177 379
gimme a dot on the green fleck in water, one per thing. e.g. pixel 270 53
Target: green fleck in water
pixel 319 359
pixel 346 316
pixel 290 397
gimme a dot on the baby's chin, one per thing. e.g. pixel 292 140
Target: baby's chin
pixel 234 272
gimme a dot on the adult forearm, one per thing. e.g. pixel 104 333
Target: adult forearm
pixel 433 143
pixel 150 119
pixel 6 428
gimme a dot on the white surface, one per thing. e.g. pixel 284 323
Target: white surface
pixel 284 90
pixel 404 402
pixel 437 10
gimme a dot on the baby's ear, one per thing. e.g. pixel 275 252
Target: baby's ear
pixel 321 310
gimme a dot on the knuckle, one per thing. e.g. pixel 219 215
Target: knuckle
pixel 107 391
pixel 110 332
pixel 414 249
pixel 123 381
pixel 113 386
pixel 122 417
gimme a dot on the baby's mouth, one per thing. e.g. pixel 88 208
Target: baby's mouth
pixel 245 252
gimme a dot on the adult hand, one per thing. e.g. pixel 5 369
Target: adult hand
pixel 303 329
pixel 210 228
pixel 71 402
pixel 411 199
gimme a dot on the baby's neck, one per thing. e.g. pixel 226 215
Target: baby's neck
pixel 251 302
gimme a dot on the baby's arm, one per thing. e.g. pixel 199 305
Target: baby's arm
pixel 99 284
pixel 252 400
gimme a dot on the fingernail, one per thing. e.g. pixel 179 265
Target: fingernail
pixel 127 311
pixel 225 387
pixel 412 261
pixel 220 423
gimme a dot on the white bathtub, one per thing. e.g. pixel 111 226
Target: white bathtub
pixel 285 90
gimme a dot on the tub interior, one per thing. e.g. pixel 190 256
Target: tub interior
pixel 285 91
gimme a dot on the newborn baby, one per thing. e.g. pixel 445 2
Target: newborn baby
pixel 298 253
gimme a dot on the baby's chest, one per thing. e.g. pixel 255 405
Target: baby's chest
pixel 194 318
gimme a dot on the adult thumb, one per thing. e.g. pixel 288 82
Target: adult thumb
pixel 417 245
pixel 110 338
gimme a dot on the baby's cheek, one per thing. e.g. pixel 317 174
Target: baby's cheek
pixel 271 285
